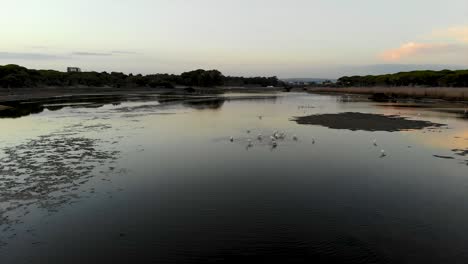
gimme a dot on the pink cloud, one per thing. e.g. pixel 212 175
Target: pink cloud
pixel 451 40
pixel 459 33
pixel 411 49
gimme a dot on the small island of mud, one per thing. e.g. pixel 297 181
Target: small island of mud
pixel 364 121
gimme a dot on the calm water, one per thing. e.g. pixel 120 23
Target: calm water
pixel 159 179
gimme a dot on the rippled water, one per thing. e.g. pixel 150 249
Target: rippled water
pixel 158 178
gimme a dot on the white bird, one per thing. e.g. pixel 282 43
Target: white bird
pixel 375 142
pixel 250 143
pixel 274 144
pixel 383 153
pixel 295 138
pixel 313 140
pixel 259 137
pixel 231 139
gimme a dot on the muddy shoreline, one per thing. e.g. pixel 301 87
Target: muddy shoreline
pixel 49 92
pixel 402 93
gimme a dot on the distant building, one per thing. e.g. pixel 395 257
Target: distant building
pixel 73 69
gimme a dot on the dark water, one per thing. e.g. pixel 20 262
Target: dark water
pixel 160 180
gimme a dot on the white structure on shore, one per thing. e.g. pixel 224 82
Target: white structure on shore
pixel 73 69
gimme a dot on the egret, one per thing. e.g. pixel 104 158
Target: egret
pixel 282 135
pixel 382 153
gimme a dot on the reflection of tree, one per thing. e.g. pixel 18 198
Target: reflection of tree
pixel 25 108
pixel 205 103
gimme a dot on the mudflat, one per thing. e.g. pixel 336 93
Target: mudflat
pixel 365 121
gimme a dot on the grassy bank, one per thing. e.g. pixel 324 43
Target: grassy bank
pixel 446 93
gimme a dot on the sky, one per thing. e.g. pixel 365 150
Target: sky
pixel 294 38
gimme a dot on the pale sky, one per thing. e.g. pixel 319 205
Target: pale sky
pixel 294 38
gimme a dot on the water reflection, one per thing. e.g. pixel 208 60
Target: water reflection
pixel 212 104
pixel 16 111
pixel 192 195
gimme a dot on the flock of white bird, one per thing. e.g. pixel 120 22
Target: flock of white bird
pixel 282 135
pixel 276 136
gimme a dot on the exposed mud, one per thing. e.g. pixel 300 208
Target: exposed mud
pixel 461 152
pixel 47 172
pixel 364 121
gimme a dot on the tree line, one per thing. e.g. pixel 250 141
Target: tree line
pixel 444 78
pixel 14 76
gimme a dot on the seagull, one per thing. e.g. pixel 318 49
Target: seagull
pixel 313 140
pixel 274 144
pixel 259 137
pixel 248 131
pixel 250 143
pixel 375 142
pixel 295 138
pixel 231 139
pixel 260 117
pixel 272 138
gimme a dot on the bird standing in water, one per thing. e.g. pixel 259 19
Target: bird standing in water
pixel 382 153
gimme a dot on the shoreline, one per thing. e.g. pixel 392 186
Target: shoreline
pixel 449 94
pixel 22 94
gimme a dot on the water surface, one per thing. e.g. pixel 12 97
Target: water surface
pixel 159 178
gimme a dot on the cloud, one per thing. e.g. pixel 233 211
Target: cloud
pixel 123 52
pixel 457 33
pixel 28 56
pixel 413 49
pixel 452 40
pixel 82 53
pixel 111 53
